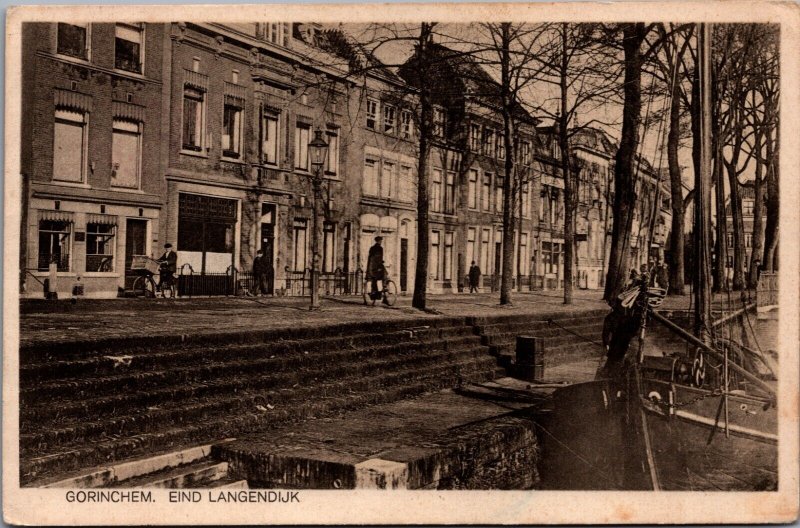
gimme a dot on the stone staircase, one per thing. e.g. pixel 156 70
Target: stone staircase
pixel 84 406
pixel 565 339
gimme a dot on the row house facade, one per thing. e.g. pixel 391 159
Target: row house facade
pixel 747 194
pixel 92 104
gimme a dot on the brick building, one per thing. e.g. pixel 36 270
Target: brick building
pixel 91 106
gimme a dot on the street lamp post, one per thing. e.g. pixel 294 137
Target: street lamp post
pixel 318 150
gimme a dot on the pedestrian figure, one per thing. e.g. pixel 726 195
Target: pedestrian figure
pixel 662 276
pixel 474 277
pixel 375 269
pixel 260 272
pixel 169 266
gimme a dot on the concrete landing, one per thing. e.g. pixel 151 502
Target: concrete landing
pixel 477 437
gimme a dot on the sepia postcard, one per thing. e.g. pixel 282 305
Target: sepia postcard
pixel 457 263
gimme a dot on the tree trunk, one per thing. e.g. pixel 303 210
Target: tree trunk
pixel 676 275
pixel 624 183
pixel 773 203
pixel 566 172
pixel 721 242
pixel 418 301
pixel 507 277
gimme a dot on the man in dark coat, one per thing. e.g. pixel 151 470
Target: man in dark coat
pixel 169 265
pixel 375 269
pixel 474 277
pixel 260 270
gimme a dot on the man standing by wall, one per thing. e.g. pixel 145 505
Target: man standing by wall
pixel 260 273
pixel 474 277
pixel 375 270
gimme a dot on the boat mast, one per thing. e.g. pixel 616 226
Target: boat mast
pixel 702 185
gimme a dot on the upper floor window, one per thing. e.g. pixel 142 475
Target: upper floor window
pixel 370 177
pixel 126 154
pixel 450 192
pixel 486 195
pixel 525 152
pixel 501 145
pixel 332 161
pixel 232 128
pixel 436 191
pixel 439 122
pixel 372 113
pixel 489 142
pixel 128 47
pixel 302 136
pixel 73 40
pixel 405 184
pixel 388 119
pixel 498 206
pixel 277 33
pixel 388 180
pixel 472 189
pixel 475 137
pixel 406 124
pixel 747 207
pixel 269 137
pixel 194 101
pixel 69 146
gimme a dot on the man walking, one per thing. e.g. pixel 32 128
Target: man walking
pixel 375 270
pixel 260 272
pixel 474 277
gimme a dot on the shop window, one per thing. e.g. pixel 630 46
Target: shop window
pixel 372 113
pixel 269 138
pixel 128 47
pixel 54 244
pixel 332 161
pixel 370 178
pixel 406 124
pixel 69 146
pixel 232 128
pixel 388 119
pixel 328 247
pixel 302 135
pixel 126 154
pixel 193 118
pixel 73 40
pixel 486 236
pixel 100 247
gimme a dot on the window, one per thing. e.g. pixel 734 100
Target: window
pixel 485 238
pixel 439 122
pixel 128 47
pixel 435 263
pixel 486 195
pixel 747 207
pixel 551 254
pixel 472 189
pixel 406 124
pixel 553 209
pixel 523 254
pixel 488 142
pixel 406 184
pixel 447 263
pixel 370 177
pixel 332 161
pixel 269 137
pixel 372 113
pixel 126 154
pixel 302 135
pixel 470 245
pixel 501 145
pixel 277 33
pixel 525 153
pixel 730 240
pixel 388 119
pixel 193 118
pixel 526 200
pixel 450 193
pixel 69 146
pixel 542 199
pixel 73 40
pixel 328 247
pixel 100 247
pixel 54 244
pixel 436 191
pixel 498 194
pixel 300 231
pixel 387 179
pixel 232 128
pixel 748 240
pixel 475 137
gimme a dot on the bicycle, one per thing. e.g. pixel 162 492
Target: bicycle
pixel 144 285
pixel 387 291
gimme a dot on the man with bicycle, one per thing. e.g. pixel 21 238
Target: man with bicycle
pixel 168 268
pixel 375 269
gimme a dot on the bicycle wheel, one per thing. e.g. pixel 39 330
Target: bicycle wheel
pixel 390 293
pixel 366 294
pixel 144 287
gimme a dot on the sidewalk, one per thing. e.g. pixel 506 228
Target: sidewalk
pixel 60 321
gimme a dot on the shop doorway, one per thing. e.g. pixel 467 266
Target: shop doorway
pixel 135 244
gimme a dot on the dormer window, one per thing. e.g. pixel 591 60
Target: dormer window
pixel 128 47
pixel 277 33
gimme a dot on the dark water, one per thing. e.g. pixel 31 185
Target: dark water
pixel 766 331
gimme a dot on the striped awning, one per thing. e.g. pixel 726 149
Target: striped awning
pixel 128 111
pixel 235 91
pixel 75 100
pixel 103 219
pixel 55 216
pixel 196 80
